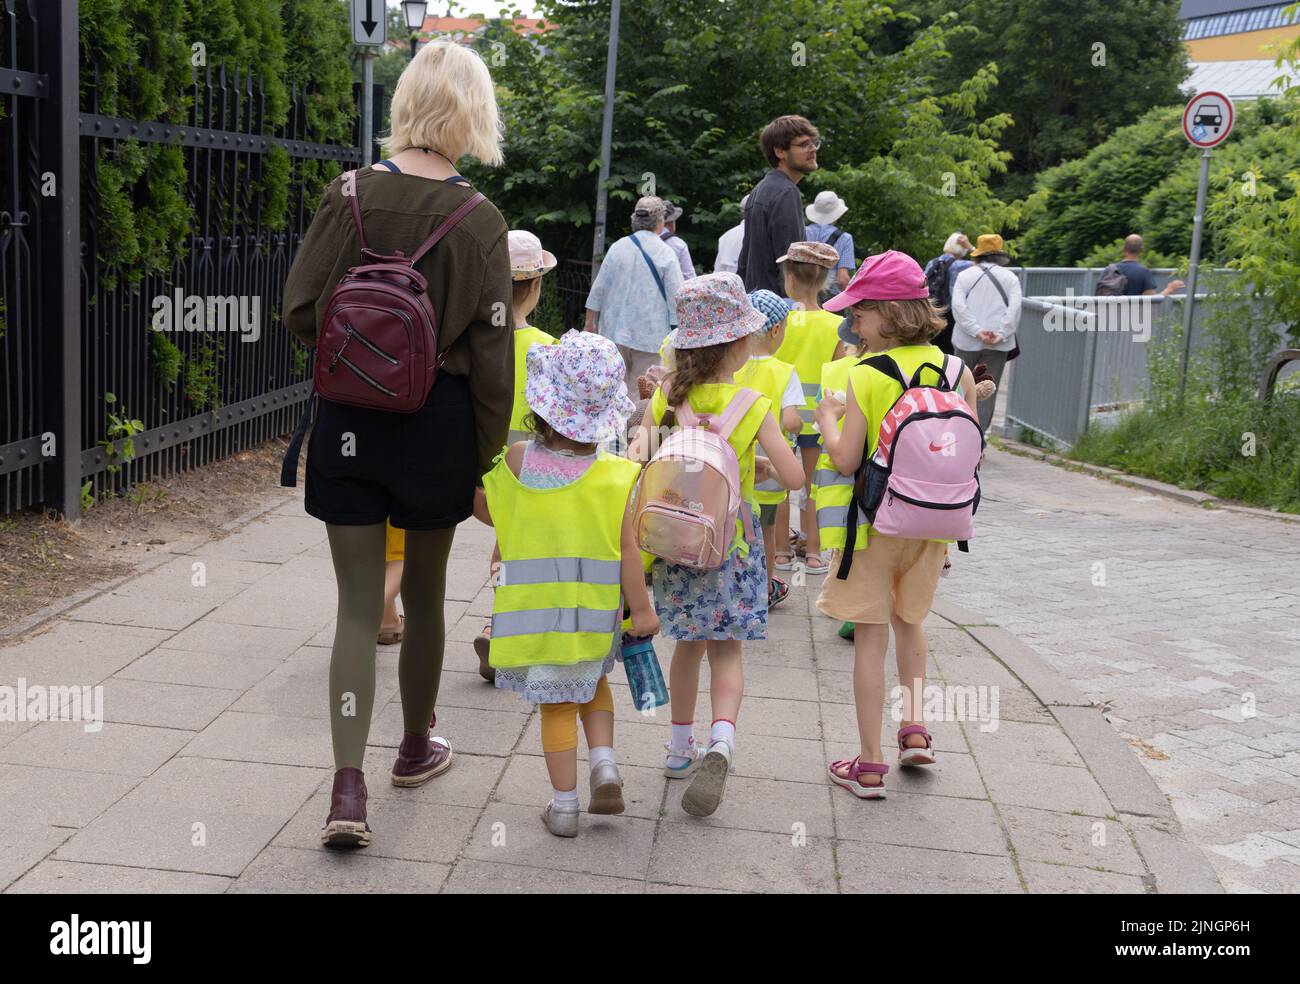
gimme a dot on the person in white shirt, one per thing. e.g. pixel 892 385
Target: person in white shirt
pixel 986 312
pixel 729 244
pixel 676 242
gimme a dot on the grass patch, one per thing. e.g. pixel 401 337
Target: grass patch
pixel 1237 449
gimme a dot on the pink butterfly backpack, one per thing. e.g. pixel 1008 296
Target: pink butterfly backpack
pixel 689 496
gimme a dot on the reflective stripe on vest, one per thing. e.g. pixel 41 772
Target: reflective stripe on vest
pixel 516 436
pixel 547 570
pixel 837 517
pixel 537 621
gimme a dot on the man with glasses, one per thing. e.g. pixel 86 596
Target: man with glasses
pixel 774 216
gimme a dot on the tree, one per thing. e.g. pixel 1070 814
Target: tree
pixel 1070 72
pixel 696 84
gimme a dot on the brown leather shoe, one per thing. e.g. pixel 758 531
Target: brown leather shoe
pixel 346 824
pixel 420 758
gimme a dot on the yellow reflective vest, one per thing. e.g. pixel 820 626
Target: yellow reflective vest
pixel 559 598
pixel 769 376
pixel 832 491
pixel 524 338
pixel 810 341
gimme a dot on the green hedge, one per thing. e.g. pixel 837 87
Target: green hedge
pixel 140 55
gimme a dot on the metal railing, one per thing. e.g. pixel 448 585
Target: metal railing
pixel 1084 360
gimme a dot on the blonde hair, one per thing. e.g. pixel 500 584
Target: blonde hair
pixel 445 101
pixel 912 322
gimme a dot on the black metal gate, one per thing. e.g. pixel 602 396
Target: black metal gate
pixel 76 345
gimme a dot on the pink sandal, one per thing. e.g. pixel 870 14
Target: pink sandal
pixel 915 756
pixel 853 783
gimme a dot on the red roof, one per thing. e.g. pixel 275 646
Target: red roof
pixel 472 25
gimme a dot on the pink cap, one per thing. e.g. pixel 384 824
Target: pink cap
pixel 888 276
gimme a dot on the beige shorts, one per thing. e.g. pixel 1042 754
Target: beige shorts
pixel 891 576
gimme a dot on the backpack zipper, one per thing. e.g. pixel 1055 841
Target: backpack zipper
pixel 353 333
pixel 930 505
pixel 363 376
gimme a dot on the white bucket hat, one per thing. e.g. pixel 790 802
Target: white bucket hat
pixel 826 208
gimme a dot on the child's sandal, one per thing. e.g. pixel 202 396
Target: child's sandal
pixel 852 781
pixel 777 591
pixel 921 755
pixel 783 561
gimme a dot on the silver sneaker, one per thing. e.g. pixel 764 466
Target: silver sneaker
pixel 562 823
pixel 704 794
pixel 606 789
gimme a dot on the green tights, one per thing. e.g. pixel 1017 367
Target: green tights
pixel 358 555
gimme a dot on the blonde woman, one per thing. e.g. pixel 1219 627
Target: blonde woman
pixel 422 469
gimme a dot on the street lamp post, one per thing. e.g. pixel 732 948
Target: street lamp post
pixel 413 12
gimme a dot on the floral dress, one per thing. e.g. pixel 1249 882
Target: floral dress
pixel 727 603
pixel 543 468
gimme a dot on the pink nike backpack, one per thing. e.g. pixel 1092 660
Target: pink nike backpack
pixel 923 481
pixel 689 496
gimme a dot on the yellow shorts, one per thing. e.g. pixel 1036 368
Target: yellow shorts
pixel 891 576
pixel 394 543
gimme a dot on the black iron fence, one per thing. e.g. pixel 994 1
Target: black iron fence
pixel 110 377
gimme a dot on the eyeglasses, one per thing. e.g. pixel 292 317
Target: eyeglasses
pixel 811 142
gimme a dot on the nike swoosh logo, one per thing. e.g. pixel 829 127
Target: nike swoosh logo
pixel 940 447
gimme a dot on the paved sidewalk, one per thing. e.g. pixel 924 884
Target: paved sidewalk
pixel 213 770
pixel 1184 622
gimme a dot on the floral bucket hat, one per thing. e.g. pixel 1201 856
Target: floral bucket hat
pixel 712 310
pixel 578 387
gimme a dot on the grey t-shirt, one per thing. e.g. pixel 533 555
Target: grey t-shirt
pixel 773 220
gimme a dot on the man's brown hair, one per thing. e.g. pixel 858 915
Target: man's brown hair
pixel 782 132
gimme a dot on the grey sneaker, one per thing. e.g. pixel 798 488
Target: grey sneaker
pixel 562 823
pixel 704 794
pixel 606 789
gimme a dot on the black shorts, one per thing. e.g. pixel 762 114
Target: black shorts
pixel 416 469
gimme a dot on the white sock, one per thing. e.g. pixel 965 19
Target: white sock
pixel 599 754
pixel 683 734
pixel 725 732
pixel 566 799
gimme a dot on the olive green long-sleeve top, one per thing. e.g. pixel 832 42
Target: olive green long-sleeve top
pixel 468 273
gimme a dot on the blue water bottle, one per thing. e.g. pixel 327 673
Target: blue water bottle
pixel 644 678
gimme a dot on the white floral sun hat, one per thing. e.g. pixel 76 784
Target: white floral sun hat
pixel 579 387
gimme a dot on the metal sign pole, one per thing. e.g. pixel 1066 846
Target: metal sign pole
pixel 606 138
pixel 367 107
pixel 1197 224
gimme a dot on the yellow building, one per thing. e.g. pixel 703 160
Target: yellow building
pixel 1235 30
pixel 1231 44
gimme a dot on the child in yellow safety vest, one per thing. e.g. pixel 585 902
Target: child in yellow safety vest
pixel 711 612
pixel 569 564
pixel 528 264
pixel 811 340
pixel 892 579
pixel 779 382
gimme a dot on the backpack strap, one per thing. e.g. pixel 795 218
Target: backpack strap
pixel 447 225
pixel 735 412
pixel 350 181
pixel 944 381
pixel 886 365
pixel 953 367
pixel 289 466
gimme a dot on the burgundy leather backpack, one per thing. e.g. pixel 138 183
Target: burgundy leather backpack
pixel 377 346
